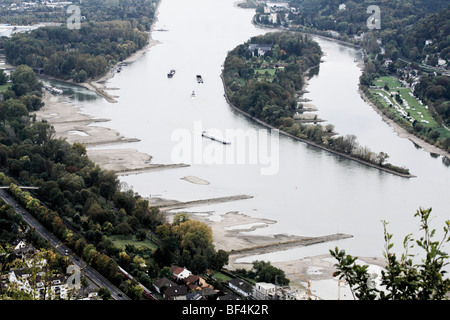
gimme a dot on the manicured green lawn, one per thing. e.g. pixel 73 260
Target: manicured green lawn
pixel 417 111
pixel 391 82
pixel 4 87
pixel 122 241
pixel 271 72
pixel 220 276
pixel 412 106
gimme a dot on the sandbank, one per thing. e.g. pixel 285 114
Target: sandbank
pixel 195 180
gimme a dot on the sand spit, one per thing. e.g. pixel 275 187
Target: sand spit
pixel 195 180
pixel 197 203
pixel 75 127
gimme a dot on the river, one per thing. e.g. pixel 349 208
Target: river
pixel 313 193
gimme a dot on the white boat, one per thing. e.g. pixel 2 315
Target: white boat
pixel 207 135
pixel 52 89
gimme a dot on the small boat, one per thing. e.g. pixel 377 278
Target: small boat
pixel 206 135
pixel 193 94
pixel 199 79
pixel 53 89
pixel 171 73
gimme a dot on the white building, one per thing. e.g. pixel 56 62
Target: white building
pixel 264 291
pixel 241 287
pixel 180 273
pixel 40 286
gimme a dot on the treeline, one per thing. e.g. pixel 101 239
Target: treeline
pixel 274 99
pixel 85 206
pixel 109 32
pixel 405 25
pixel 263 271
pixel 75 54
pixel 435 92
pixel 141 11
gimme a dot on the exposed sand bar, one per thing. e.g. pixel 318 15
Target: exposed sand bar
pixel 195 180
pixel 127 161
pixel 149 168
pixel 75 127
pixel 197 203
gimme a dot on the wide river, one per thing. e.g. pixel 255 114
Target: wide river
pixel 313 193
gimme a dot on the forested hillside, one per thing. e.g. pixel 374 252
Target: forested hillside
pixel 75 54
pixel 109 32
pixel 405 25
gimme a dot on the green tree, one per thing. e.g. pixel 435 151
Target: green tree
pixel 402 279
pixel 221 259
pixel 3 77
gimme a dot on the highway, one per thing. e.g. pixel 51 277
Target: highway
pixel 89 272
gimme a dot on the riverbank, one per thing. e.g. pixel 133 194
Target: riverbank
pixel 401 132
pixel 73 126
pixel 99 85
pixel 344 155
pixel 397 128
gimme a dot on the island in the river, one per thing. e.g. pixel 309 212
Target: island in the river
pixel 264 79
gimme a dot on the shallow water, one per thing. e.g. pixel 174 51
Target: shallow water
pixel 313 192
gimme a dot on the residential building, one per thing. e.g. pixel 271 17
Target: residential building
pixel 161 284
pixel 241 287
pixel 40 285
pixel 264 291
pixel 180 273
pixel 176 293
pixel 260 48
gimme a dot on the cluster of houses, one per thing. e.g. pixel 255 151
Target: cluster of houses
pixel 32 279
pixel 184 285
pixel 276 13
pixel 31 4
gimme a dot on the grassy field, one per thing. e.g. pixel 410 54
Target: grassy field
pixel 220 276
pixel 265 74
pixel 417 111
pixel 390 81
pixel 4 87
pixel 122 241
pixel 271 72
pixel 410 104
